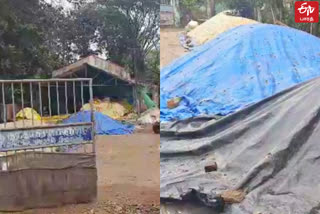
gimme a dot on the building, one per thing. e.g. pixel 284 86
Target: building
pixel 170 13
pixel 109 80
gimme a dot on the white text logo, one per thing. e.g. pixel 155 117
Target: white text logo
pixel 304 9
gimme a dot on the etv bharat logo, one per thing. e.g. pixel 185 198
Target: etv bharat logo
pixel 303 9
pixel 306 11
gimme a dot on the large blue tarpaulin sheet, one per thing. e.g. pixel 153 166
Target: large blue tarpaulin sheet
pixel 104 125
pixel 241 67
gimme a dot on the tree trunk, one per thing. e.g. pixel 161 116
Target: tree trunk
pixel 315 29
pixel 273 16
pixel 280 14
pixel 259 17
pixel 211 6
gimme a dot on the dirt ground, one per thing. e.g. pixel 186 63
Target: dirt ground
pixel 128 177
pixel 170 47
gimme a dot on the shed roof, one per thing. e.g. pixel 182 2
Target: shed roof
pixel 96 62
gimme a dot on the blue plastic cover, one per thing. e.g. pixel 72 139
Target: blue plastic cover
pixel 241 67
pixel 104 124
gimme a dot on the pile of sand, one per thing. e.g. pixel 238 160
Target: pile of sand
pixel 215 26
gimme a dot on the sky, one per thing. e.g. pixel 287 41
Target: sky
pixel 64 3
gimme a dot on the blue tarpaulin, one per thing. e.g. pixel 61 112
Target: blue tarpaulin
pixel 241 67
pixel 104 124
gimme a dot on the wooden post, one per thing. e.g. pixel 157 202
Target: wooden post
pixel 86 71
pixel 136 99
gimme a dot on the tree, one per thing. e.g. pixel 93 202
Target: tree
pixel 272 11
pixel 36 37
pixel 245 7
pixel 211 8
pixel 153 67
pixel 127 30
pixel 24 39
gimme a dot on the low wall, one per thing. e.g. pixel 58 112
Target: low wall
pixel 35 179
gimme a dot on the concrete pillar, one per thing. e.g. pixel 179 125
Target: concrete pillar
pixel 176 9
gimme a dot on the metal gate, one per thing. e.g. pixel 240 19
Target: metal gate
pixel 166 14
pixel 34 136
pixel 30 132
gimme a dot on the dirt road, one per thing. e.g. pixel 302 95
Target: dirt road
pixel 170 48
pixel 128 177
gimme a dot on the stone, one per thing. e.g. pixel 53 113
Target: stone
pixel 211 167
pixel 233 196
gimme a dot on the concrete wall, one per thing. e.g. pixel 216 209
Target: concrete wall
pixel 34 180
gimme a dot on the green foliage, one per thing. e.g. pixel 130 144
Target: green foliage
pixel 193 4
pixel 272 11
pixel 190 3
pixel 36 38
pixel 153 66
pixel 245 7
pixel 127 30
pixel 23 33
pixel 221 6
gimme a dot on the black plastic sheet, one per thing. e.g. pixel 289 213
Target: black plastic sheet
pixel 270 150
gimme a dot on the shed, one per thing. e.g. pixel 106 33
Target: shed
pixel 109 79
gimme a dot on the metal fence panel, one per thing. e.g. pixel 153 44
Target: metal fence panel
pixel 43 94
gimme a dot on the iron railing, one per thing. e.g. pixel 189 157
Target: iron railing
pixel 50 98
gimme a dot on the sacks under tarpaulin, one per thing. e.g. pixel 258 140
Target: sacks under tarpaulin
pixel 243 66
pixel 28 114
pixel 115 110
pixel 150 116
pixel 270 150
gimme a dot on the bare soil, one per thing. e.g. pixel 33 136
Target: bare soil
pixel 128 177
pixel 170 47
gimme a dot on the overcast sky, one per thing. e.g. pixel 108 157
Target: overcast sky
pixel 64 3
